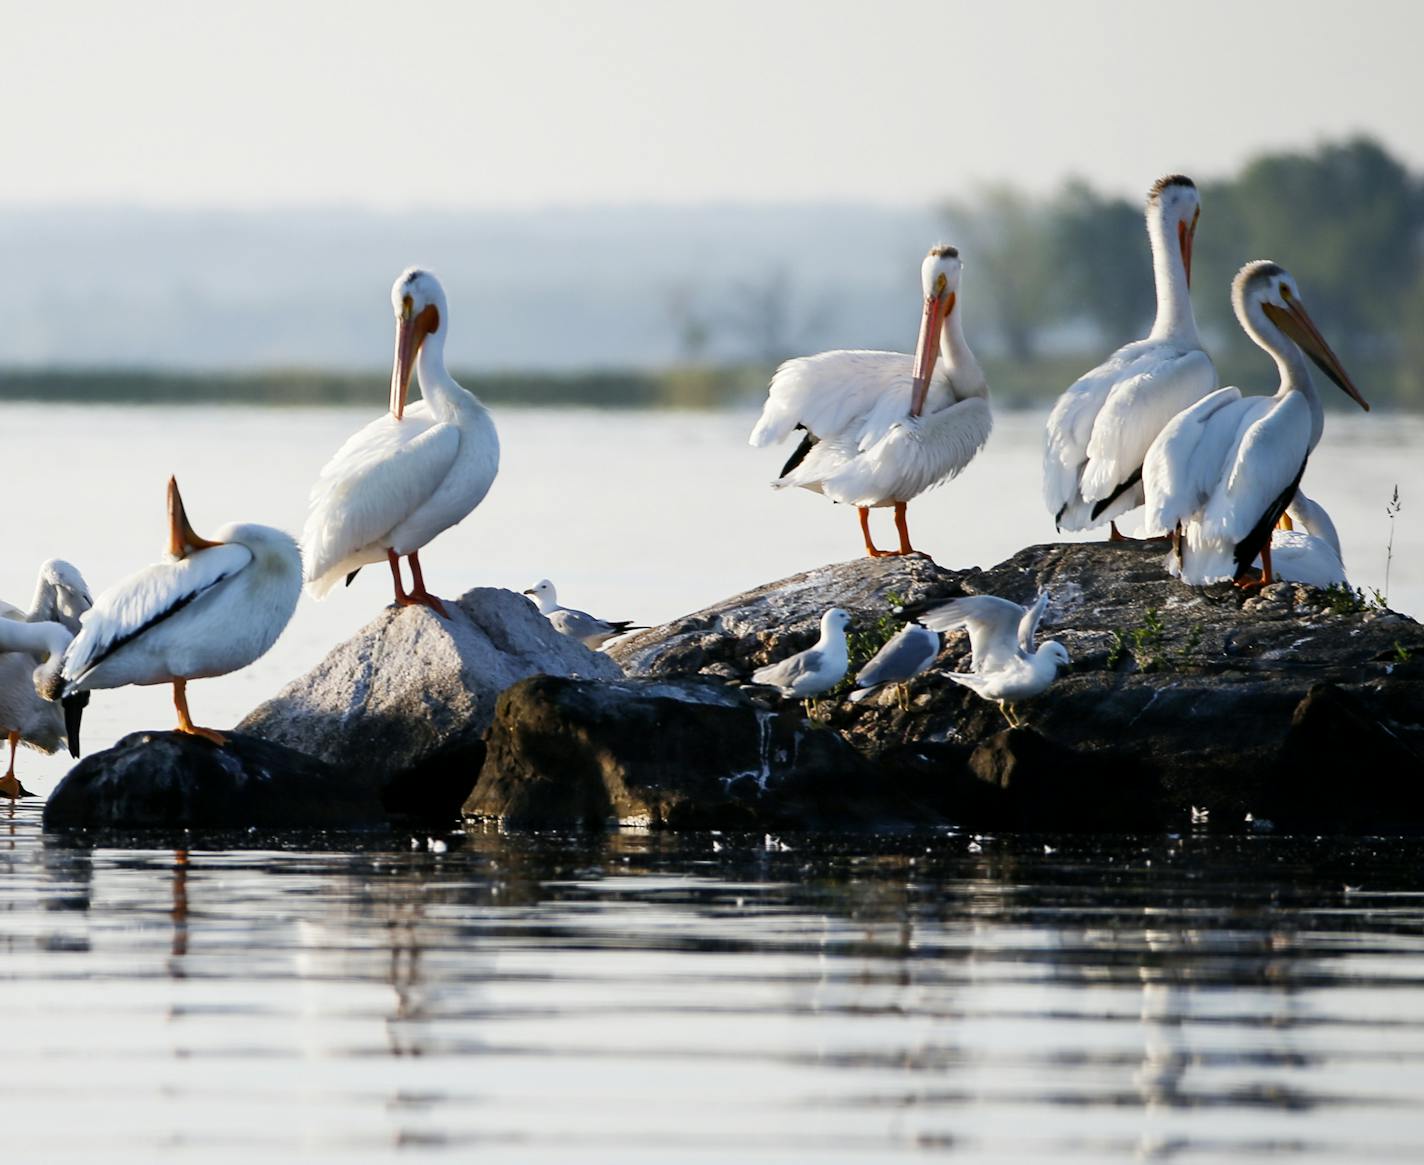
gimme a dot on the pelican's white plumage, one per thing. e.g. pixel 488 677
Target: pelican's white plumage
pixel 883 427
pixel 211 607
pixel 1005 666
pixel 1101 428
pixel 905 655
pixel 61 596
pixel 30 655
pixel 1309 552
pixel 413 473
pixel 1223 471
pixel 816 670
pixel 589 630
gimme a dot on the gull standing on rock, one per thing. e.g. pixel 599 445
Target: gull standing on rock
pixel 413 473
pixel 816 670
pixel 1100 429
pixel 1005 666
pixel 592 632
pixel 209 608
pixel 905 655
pixel 1224 471
pixel 882 427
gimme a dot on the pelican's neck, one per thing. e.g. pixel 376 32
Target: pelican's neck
pixel 437 387
pixel 965 376
pixel 1175 320
pixel 43 605
pixel 1291 365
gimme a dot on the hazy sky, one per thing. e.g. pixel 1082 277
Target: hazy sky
pixel 453 104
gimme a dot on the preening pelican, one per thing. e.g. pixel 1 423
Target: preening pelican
pixel 1100 429
pixel 816 670
pixel 1305 547
pixel 1005 666
pixel 29 660
pixel 589 630
pixel 1220 476
pixel 211 607
pixel 61 596
pixel 414 473
pixel 883 427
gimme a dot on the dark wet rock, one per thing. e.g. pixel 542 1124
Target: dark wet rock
pixel 1177 697
pixel 169 780
pixel 408 699
pixel 687 753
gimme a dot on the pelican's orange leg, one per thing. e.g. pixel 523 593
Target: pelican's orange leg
pixel 902 526
pixel 10 784
pixel 185 722
pixel 1246 582
pixel 864 512
pixel 419 594
pixel 1113 534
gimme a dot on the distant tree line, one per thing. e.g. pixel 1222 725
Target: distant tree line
pixel 1072 271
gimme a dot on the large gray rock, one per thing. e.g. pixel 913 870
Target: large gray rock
pixel 1186 696
pixel 412 694
pixel 692 753
pixel 169 780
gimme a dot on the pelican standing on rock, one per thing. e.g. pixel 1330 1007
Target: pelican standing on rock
pixel 1220 476
pixel 211 607
pixel 1099 431
pixel 411 475
pixel 1005 666
pixel 589 630
pixel 883 427
pixel 30 653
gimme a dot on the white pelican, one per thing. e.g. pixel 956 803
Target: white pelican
pixel 1305 547
pixel 1222 473
pixel 905 654
pixel 414 473
pixel 883 427
pixel 1006 668
pixel 1100 429
pixel 211 607
pixel 589 630
pixel 29 659
pixel 816 670
pixel 61 596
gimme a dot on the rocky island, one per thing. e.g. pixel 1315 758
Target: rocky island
pixel 1294 706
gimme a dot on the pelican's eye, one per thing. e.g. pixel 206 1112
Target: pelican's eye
pixel 941 282
pixel 407 308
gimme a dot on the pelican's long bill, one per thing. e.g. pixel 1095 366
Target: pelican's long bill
pixel 411 331
pixel 937 307
pixel 1296 323
pixel 1185 236
pixel 182 539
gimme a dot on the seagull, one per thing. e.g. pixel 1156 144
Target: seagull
pixel 209 608
pixel 1101 427
pixel 816 670
pixel 30 655
pixel 592 632
pixel 881 427
pixel 1220 476
pixel 1005 666
pixel 1305 547
pixel 410 475
pixel 907 653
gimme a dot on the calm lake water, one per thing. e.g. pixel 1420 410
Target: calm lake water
pixel 634 515
pixel 642 998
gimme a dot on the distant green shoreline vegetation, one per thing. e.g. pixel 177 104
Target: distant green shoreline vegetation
pixel 1014 383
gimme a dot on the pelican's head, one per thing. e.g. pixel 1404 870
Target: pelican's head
pixel 1056 652
pixel 1268 302
pixel 939 275
pixel 71 592
pixel 1174 203
pixel 419 303
pixel 835 621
